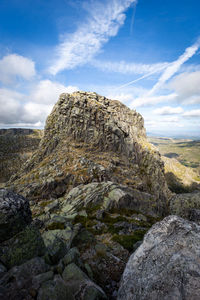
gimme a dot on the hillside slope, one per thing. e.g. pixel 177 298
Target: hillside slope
pixel 16 146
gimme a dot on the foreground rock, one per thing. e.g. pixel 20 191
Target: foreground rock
pixel 15 214
pixel 42 266
pixel 166 265
pixel 19 239
pixel 89 138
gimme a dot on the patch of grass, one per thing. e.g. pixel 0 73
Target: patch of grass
pixel 45 203
pixel 128 241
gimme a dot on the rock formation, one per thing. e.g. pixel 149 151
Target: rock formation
pixel 90 138
pixel 95 187
pixel 16 146
pixel 166 265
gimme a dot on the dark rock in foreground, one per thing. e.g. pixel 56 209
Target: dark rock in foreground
pixel 15 214
pixel 166 265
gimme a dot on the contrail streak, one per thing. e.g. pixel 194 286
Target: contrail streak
pixel 175 66
pixel 142 77
pixel 133 18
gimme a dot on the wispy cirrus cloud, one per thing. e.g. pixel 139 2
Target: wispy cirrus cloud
pixel 129 68
pixel 81 46
pixel 175 66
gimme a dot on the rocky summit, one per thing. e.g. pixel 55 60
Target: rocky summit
pixel 80 206
pixel 89 138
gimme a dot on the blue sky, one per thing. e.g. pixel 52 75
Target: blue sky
pixel 143 53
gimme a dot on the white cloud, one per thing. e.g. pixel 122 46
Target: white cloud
pixel 168 110
pixel 34 112
pixel 47 91
pixel 129 68
pixel 175 66
pixel 187 86
pixel 80 47
pixel 142 101
pixel 13 66
pixel 195 113
pixel 10 105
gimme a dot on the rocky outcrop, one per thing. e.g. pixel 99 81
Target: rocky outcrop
pixel 166 265
pixel 16 146
pixel 89 138
pixel 106 196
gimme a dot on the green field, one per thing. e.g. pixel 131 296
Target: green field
pixel 187 152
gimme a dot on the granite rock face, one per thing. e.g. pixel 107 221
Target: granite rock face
pixel 89 138
pixel 166 265
pixel 15 214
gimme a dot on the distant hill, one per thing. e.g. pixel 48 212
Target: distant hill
pixel 16 146
pixel 182 159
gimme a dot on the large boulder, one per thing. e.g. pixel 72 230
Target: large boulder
pixel 15 214
pixel 166 265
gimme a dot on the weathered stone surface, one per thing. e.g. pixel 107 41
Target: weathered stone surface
pixel 57 243
pixel 166 265
pixel 73 255
pixel 73 272
pixel 54 290
pixel 186 206
pixel 21 247
pixel 89 138
pixel 15 214
pixel 19 282
pixel 107 196
pixel 80 285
